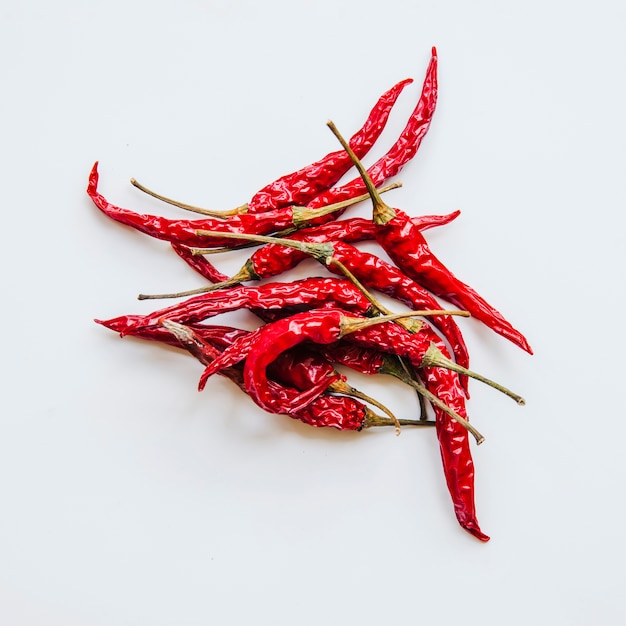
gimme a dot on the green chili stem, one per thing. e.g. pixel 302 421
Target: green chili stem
pixel 382 212
pixel 435 358
pixel 340 386
pixel 189 207
pixel 244 274
pixel 390 368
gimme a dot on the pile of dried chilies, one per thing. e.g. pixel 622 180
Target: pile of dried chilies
pixel 310 326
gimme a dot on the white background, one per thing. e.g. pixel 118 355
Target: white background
pixel 126 497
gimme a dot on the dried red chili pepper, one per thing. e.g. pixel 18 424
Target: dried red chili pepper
pixel 200 264
pixel 341 412
pixel 407 247
pixel 184 231
pixel 403 150
pixel 305 184
pixel 309 291
pixel 301 186
pixel 452 435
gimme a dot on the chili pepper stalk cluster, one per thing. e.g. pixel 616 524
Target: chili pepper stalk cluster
pixel 312 330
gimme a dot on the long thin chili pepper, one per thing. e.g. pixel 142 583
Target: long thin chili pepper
pixel 200 264
pixel 309 291
pixel 451 432
pixel 402 151
pixel 423 348
pixel 407 247
pixel 369 269
pixel 301 186
pixel 185 231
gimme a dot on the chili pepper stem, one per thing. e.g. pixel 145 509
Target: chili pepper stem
pixel 189 207
pixel 435 358
pixel 352 324
pixel 244 274
pixel 372 420
pixel 382 211
pixel 319 251
pixel 389 367
pixel 340 386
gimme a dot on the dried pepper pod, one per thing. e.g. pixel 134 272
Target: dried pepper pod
pixel 311 292
pixel 409 250
pixel 301 186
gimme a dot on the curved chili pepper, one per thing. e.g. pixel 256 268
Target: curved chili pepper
pixel 403 150
pixel 302 186
pixel 453 438
pixel 184 231
pixel 200 264
pixel 408 249
pixel 309 291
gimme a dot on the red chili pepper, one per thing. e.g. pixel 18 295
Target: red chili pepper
pixel 302 186
pixel 309 291
pixel 407 247
pixel 184 231
pixel 453 437
pixel 347 230
pixel 263 345
pixel 200 264
pixel 341 412
pixel 400 153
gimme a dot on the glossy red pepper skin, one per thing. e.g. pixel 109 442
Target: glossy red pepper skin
pixel 454 445
pixel 410 252
pixel 273 259
pixel 263 345
pixel 274 339
pixel 359 358
pixel 200 264
pixel 340 412
pixel 183 232
pixel 318 325
pixel 311 292
pixel 349 231
pixel 302 186
pixel 403 150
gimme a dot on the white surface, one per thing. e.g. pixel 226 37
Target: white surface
pixel 128 498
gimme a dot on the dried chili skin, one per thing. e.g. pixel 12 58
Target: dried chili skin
pixel 310 291
pixel 408 249
pixel 403 150
pixel 340 412
pixel 183 232
pixel 302 186
pixel 454 445
pixel 263 345
pixel 200 264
